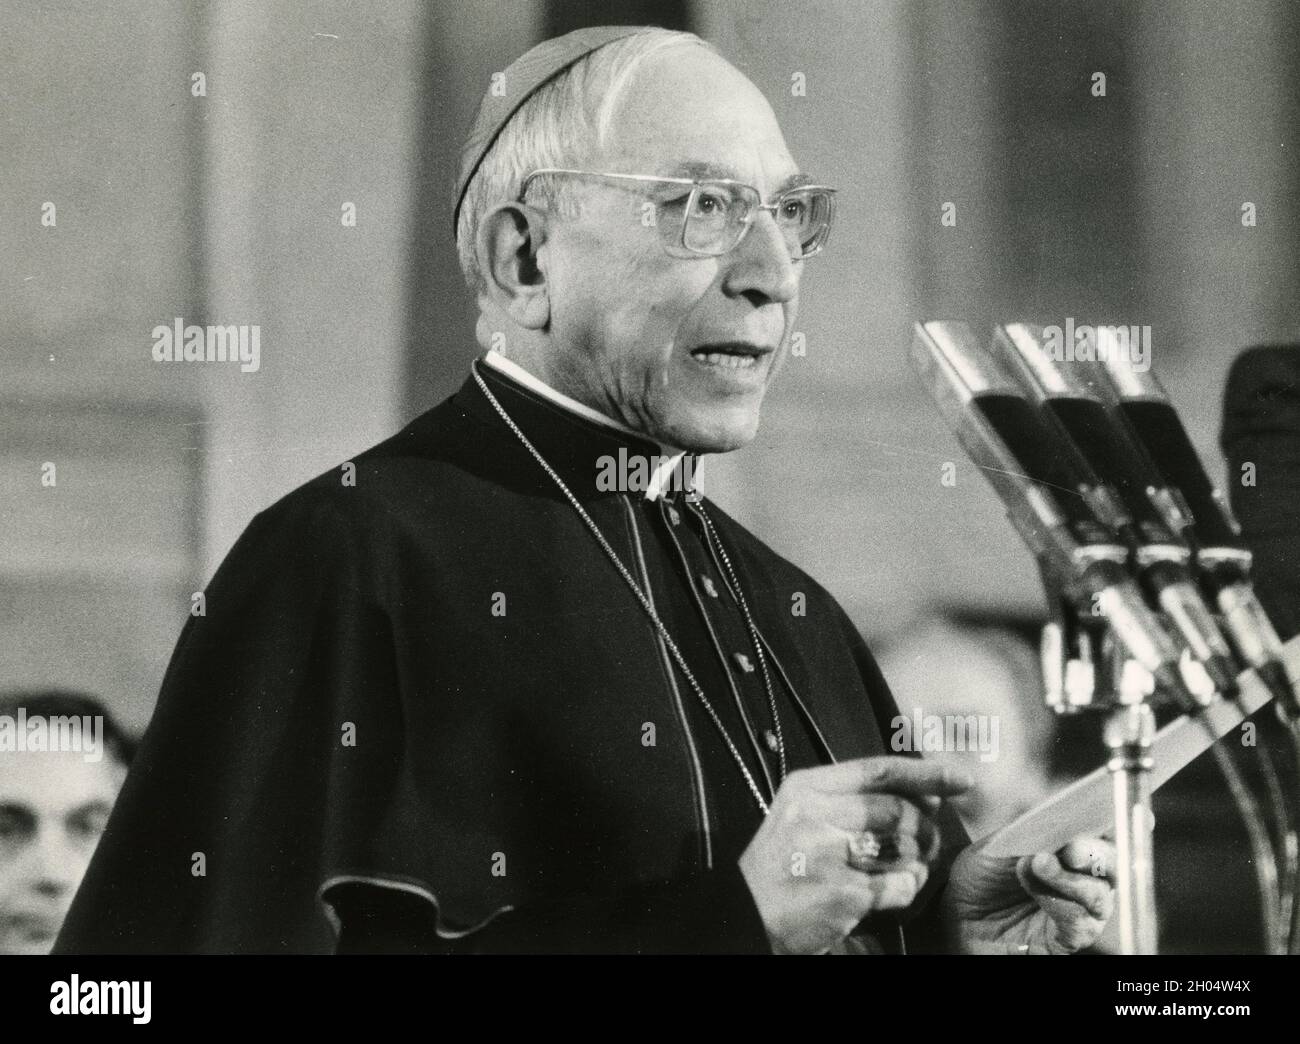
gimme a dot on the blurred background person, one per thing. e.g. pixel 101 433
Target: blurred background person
pixel 972 662
pixel 1261 441
pixel 984 671
pixel 53 807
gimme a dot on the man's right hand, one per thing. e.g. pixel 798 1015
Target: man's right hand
pixel 798 867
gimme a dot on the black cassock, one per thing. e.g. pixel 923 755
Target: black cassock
pixel 424 712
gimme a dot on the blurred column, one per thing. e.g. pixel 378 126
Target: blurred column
pixel 310 143
pixel 460 56
pixel 1217 117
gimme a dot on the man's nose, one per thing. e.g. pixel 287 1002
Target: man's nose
pixel 761 265
pixel 54 864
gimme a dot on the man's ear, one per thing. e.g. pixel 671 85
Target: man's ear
pixel 510 235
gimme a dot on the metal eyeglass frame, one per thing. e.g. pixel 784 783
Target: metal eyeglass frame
pixel 696 184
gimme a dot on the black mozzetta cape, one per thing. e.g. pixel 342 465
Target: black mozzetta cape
pixel 424 713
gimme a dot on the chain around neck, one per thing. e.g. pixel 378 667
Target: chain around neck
pixel 649 608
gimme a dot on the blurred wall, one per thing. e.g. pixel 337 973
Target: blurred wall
pixel 101 450
pixel 222 205
pixel 1217 92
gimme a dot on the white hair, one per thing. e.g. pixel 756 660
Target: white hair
pixel 562 124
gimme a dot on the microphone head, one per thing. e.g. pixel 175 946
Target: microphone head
pixel 1261 440
pixel 1043 369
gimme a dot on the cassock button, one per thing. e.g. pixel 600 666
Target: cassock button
pixel 743 662
pixel 710 588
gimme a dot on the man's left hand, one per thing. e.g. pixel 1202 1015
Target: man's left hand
pixel 1045 903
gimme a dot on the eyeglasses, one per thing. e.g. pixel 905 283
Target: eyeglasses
pixel 709 217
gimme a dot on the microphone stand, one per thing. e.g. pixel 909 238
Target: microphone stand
pixel 1129 732
pixel 1085 668
pixel 1073 646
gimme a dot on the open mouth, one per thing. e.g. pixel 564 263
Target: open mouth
pixel 732 355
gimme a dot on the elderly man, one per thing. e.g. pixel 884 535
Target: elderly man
pixel 506 681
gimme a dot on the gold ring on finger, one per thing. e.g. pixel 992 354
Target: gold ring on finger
pixel 869 848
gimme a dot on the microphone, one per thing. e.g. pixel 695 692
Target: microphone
pixel 1041 489
pixel 1068 393
pixel 1193 503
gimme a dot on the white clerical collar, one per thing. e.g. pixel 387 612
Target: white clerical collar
pixel 660 477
